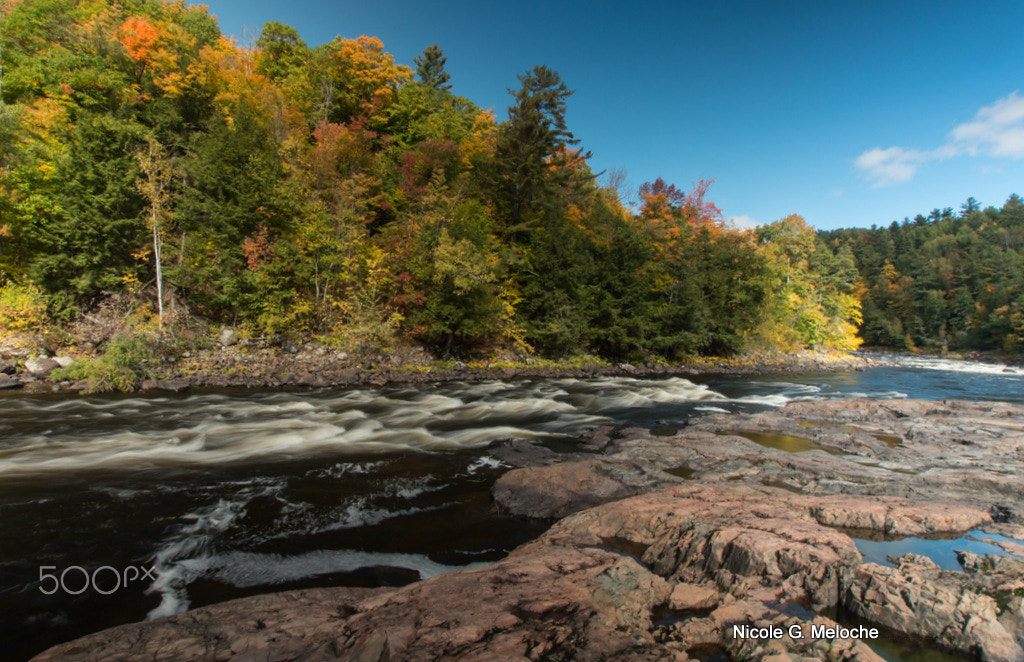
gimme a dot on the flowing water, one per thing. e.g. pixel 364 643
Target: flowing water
pixel 118 508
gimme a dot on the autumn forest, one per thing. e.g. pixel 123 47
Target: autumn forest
pixel 149 164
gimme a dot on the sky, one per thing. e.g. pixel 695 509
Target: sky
pixel 847 113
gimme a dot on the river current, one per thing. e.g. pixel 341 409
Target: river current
pixel 118 508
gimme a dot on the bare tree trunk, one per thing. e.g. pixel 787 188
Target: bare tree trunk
pixel 159 272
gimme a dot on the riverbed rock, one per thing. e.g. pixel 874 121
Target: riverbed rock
pixel 64 361
pixel 8 366
pixel 586 604
pixel 958 610
pixel 227 336
pixel 972 452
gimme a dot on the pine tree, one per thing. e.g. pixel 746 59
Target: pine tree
pixel 430 68
pixel 534 149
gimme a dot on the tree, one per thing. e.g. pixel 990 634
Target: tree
pixel 282 51
pixel 430 68
pixel 157 170
pixel 970 206
pixel 533 149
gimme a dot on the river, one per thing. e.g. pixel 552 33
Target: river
pixel 119 508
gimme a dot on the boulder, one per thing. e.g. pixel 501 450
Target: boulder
pixel 6 382
pixel 40 366
pixel 228 336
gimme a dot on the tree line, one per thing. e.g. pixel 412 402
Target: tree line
pixel 945 280
pixel 328 190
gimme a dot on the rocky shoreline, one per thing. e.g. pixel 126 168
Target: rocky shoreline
pixel 312 365
pixel 736 536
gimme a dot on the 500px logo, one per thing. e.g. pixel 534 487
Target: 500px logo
pixel 75 580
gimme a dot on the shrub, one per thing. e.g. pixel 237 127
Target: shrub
pixel 121 368
pixel 22 307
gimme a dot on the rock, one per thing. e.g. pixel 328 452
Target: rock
pixel 173 385
pixel 556 491
pixel 40 367
pixel 958 610
pixel 8 367
pixel 64 361
pixel 692 597
pixel 906 448
pixel 228 336
pixel 6 382
pixel 555 604
pixel 989 563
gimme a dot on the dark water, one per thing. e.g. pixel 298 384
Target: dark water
pixel 221 495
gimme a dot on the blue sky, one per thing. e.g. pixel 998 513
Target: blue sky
pixel 848 114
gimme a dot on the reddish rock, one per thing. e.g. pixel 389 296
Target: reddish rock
pixel 584 604
pixel 558 490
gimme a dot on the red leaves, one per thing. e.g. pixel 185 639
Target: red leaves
pixel 258 249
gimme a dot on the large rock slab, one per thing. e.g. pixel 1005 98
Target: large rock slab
pixel 969 612
pixel 743 553
pixel 973 452
pixel 580 604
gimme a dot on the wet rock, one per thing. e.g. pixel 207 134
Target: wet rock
pixel 173 385
pixel 8 367
pixel 903 448
pixel 556 491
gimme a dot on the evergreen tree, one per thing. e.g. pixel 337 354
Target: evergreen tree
pixel 430 68
pixel 533 152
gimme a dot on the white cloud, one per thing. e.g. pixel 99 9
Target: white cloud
pixel 997 131
pixel 885 167
pixel 742 222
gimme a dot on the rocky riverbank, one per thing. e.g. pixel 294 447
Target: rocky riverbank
pixel 314 365
pixel 738 536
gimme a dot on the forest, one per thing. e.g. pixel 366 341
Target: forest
pixel 943 281
pixel 153 169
